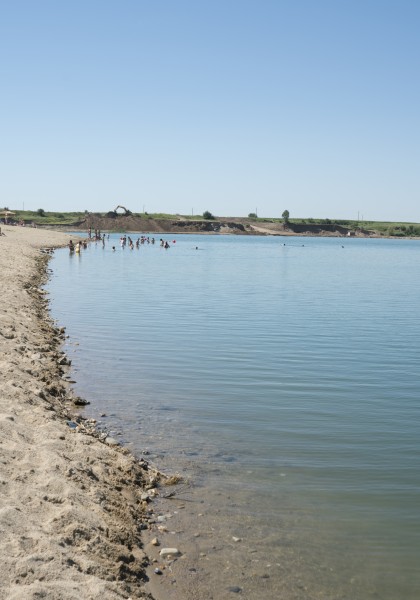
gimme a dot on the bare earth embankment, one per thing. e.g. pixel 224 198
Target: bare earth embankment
pixel 225 225
pixel 71 510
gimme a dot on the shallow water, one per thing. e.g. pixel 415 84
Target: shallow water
pixel 282 376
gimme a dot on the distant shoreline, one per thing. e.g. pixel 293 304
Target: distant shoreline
pixel 258 232
pixel 127 221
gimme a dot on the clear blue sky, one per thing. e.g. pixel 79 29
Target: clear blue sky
pixel 229 106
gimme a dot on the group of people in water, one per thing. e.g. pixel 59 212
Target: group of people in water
pixel 77 247
pixel 125 240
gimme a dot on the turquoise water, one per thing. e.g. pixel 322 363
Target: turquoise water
pixel 282 373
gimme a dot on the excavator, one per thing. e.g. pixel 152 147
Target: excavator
pixel 126 211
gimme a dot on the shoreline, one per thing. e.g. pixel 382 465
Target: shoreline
pixel 256 231
pixel 74 502
pixel 81 516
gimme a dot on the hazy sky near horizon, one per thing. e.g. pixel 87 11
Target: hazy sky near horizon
pixel 229 106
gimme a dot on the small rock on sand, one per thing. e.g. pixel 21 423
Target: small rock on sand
pixel 167 552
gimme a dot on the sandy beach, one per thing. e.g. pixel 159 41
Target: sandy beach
pixel 71 506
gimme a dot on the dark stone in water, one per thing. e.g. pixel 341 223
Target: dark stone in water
pixel 80 402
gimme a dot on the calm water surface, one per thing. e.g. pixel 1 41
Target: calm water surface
pixel 281 373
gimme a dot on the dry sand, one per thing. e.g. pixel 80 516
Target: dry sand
pixel 70 502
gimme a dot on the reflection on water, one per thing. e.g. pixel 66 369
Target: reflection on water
pixel 284 378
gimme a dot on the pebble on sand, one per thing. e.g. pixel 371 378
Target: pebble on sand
pixel 166 552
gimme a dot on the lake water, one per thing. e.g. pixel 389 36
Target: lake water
pixel 282 377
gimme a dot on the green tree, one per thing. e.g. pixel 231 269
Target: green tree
pixel 41 212
pixel 253 216
pixel 207 215
pixel 285 216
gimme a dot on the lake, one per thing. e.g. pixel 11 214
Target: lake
pixel 281 377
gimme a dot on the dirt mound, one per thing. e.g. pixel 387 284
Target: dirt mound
pixel 144 224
